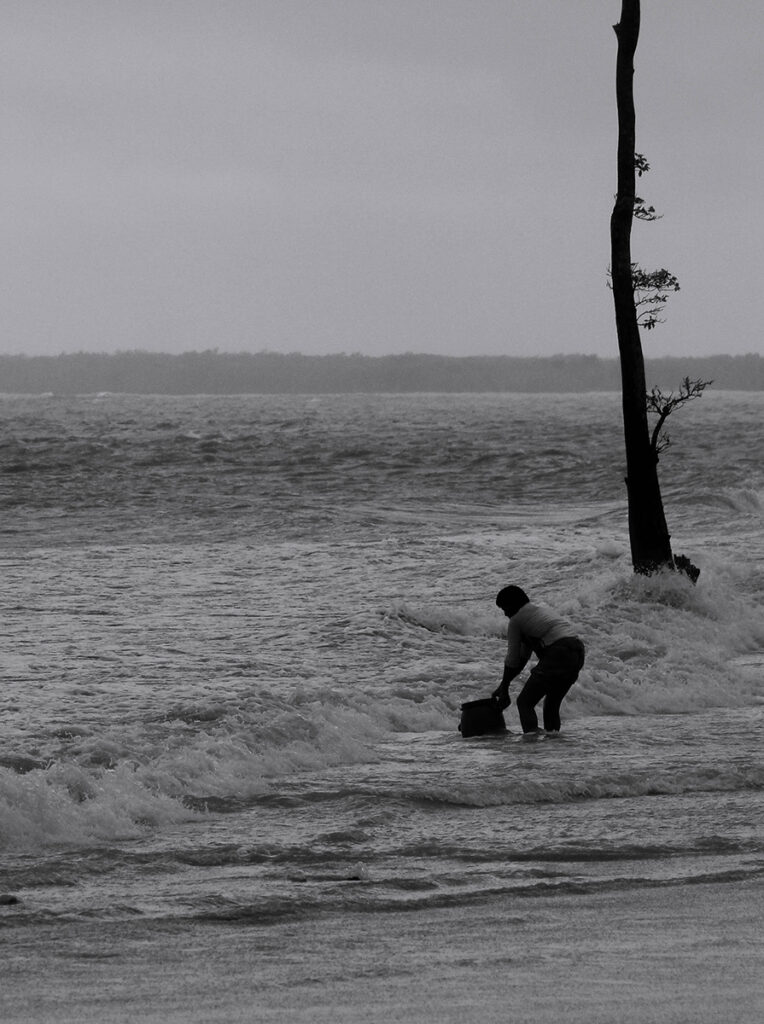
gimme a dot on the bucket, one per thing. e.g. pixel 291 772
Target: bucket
pixel 481 717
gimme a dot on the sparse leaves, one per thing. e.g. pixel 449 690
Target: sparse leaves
pixel 663 405
pixel 651 292
pixel 641 166
pixel 651 287
pixel 642 212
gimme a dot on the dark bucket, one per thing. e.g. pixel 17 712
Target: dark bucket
pixel 481 717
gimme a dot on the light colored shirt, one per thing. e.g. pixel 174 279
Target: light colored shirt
pixel 532 628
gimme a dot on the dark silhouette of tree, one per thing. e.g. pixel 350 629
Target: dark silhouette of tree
pixel 651 288
pixel 663 405
pixel 639 297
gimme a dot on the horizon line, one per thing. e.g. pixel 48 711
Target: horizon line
pixel 361 355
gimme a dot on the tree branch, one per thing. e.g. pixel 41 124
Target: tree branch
pixel 663 406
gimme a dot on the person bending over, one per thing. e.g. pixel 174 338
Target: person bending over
pixel 534 629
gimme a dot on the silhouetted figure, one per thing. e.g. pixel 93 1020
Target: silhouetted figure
pixel 534 629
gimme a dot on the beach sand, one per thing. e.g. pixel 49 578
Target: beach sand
pixel 674 953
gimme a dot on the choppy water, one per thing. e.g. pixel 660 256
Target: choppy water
pixel 237 632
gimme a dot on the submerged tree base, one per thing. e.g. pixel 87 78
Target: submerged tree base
pixel 683 564
pixel 678 563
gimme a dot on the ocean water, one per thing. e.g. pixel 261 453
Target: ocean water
pixel 237 633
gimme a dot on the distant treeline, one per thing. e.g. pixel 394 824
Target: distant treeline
pixel 213 372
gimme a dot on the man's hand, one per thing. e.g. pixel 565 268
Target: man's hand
pixel 501 696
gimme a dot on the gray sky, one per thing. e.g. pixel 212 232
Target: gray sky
pixel 371 176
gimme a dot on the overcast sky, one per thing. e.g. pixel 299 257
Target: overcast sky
pixel 371 176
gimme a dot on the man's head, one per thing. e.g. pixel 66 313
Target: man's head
pixel 511 599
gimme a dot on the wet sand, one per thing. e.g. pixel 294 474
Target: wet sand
pixel 669 954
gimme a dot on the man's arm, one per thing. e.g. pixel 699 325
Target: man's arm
pixel 501 693
pixel 518 653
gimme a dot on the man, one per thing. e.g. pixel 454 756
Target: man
pixel 534 629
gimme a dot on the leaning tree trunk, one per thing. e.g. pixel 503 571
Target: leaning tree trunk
pixel 648 533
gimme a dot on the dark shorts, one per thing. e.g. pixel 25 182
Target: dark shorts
pixel 551 678
pixel 560 660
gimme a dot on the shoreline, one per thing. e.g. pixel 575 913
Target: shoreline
pixel 668 953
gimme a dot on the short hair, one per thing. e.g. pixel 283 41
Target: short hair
pixel 511 599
